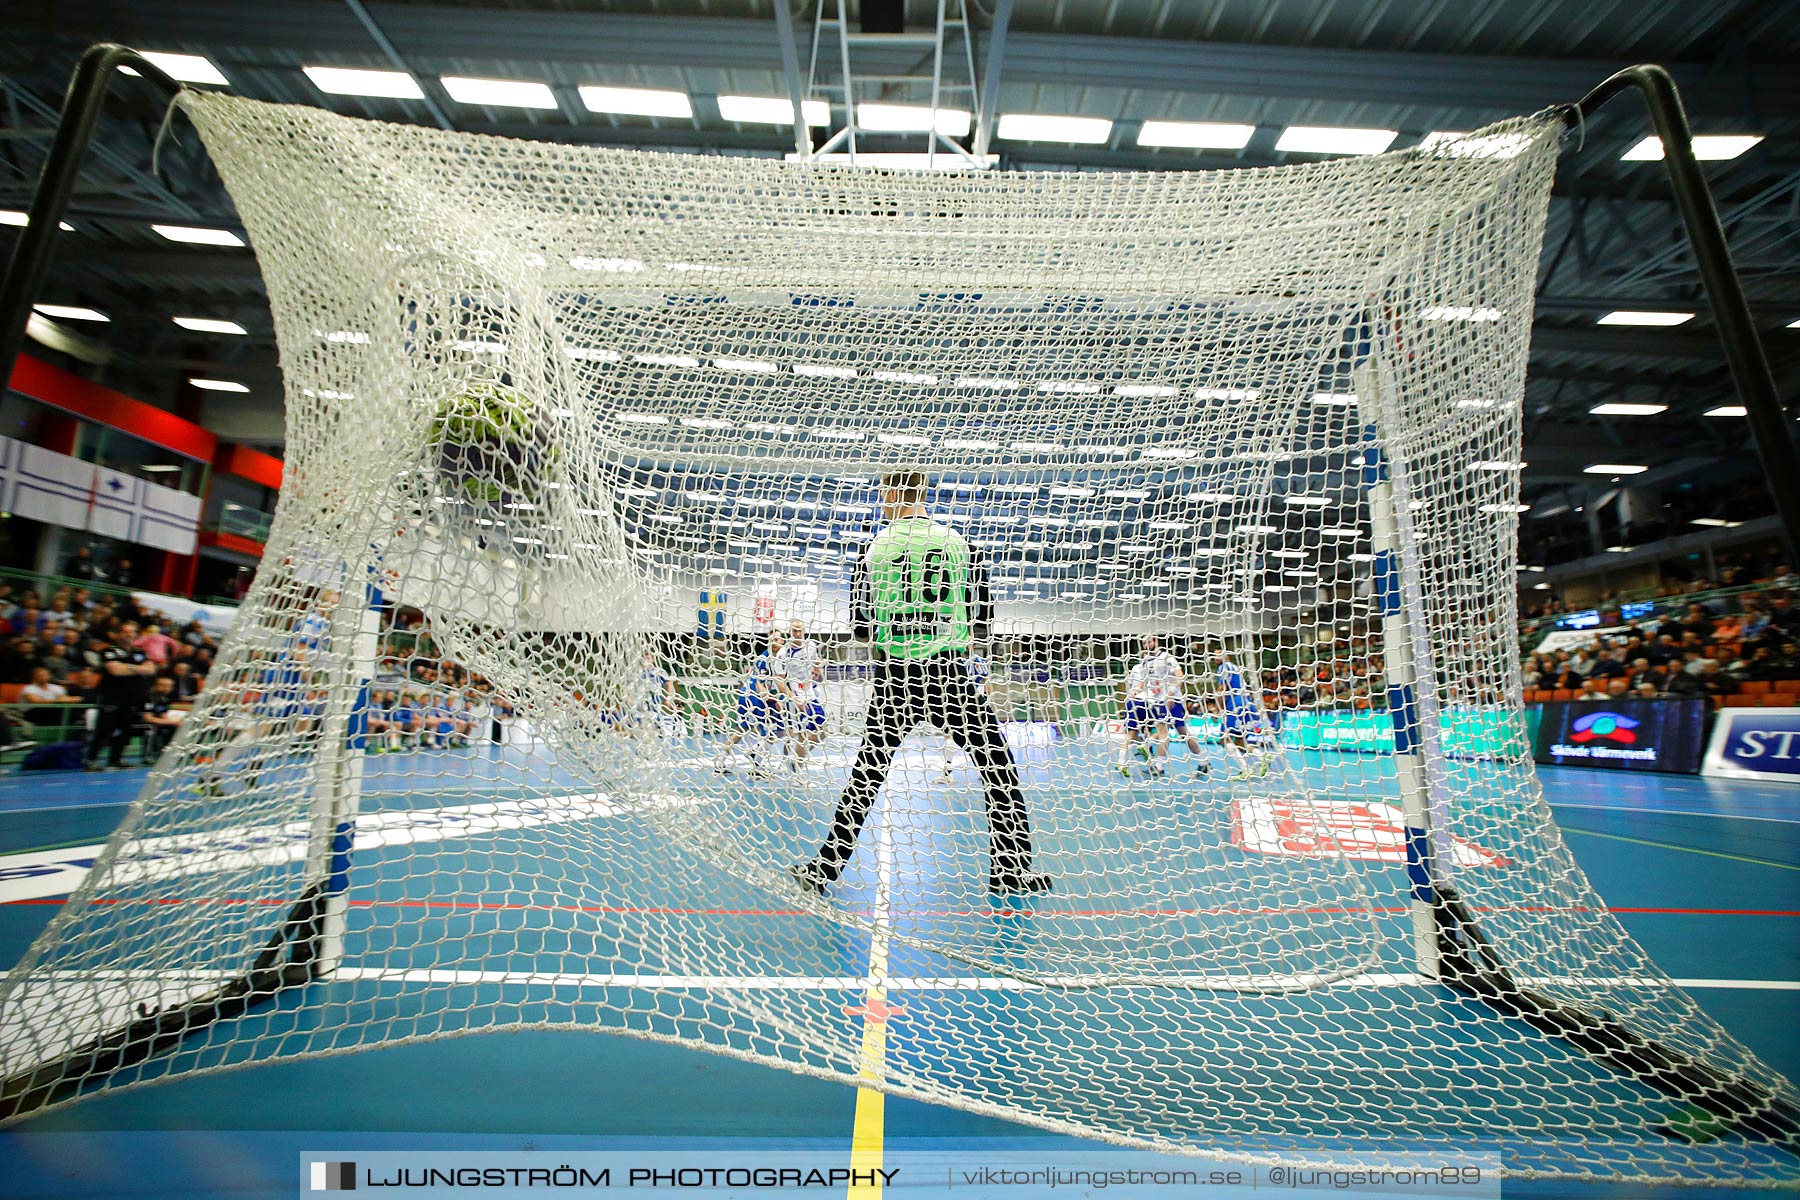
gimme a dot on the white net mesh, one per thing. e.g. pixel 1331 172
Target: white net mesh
pixel 569 410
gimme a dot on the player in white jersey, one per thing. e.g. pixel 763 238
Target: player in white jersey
pixel 1154 702
pixel 797 668
pixel 978 681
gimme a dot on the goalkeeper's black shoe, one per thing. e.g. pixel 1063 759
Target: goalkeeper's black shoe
pixel 1023 884
pixel 811 877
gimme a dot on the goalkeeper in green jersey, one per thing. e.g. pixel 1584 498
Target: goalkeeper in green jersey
pixel 922 598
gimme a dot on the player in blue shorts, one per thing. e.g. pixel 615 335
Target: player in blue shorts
pixel 759 709
pixel 1245 728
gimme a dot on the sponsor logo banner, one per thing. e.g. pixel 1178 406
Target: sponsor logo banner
pixel 1623 734
pixel 1755 743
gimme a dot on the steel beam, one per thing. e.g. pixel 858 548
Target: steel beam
pixel 438 37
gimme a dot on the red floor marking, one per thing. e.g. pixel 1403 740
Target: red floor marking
pixel 876 1012
pixel 647 910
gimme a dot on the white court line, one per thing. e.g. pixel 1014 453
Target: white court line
pixel 985 983
pixel 1672 812
pixel 36 874
pixel 853 983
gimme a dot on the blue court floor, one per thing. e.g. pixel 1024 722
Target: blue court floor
pixel 1704 873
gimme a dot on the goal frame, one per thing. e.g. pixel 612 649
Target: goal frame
pixel 1449 947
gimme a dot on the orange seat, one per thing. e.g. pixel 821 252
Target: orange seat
pixel 1742 701
pixel 1562 694
pixel 1756 687
pixel 1788 687
pixel 1778 700
pixel 9 692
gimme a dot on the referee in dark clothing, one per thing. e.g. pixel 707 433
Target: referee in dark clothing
pixel 921 596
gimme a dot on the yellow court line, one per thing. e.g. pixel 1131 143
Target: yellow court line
pixel 867 1131
pixel 866 1135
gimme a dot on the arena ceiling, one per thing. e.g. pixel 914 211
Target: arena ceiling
pixel 1414 66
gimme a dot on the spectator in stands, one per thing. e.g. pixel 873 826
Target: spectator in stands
pixel 1760 665
pixel 124 574
pixel 61 610
pixel 1663 651
pixel 1643 673
pixel 1645 690
pixel 27 620
pixel 1782 613
pixel 1592 690
pixel 186 683
pixel 81 565
pixel 84 684
pixel 1709 681
pixel 1698 660
pixel 1787 659
pixel 56 660
pixel 158 646
pixel 44 690
pixel 19 660
pixel 1611 665
pixel 161 718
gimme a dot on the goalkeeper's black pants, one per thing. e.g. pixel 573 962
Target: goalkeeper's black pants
pixel 936 689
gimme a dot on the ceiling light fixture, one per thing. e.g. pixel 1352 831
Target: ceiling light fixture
pixel 71 312
pixel 636 102
pixel 1195 135
pixel 772 110
pixel 1660 320
pixel 188 68
pixel 1619 409
pixel 9 216
pixel 1708 147
pixel 358 81
pixel 912 118
pixel 210 325
pixel 1038 127
pixel 199 237
pixel 1334 139
pixel 498 93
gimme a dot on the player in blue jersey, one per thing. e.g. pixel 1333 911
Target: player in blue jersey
pixel 759 709
pixel 978 683
pixel 1245 728
pixel 656 697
